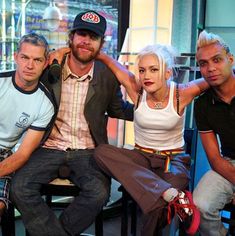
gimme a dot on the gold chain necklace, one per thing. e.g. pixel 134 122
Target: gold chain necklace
pixel 159 104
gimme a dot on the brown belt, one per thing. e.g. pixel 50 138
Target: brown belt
pixel 160 152
pixel 167 153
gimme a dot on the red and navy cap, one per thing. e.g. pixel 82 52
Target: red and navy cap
pixel 90 20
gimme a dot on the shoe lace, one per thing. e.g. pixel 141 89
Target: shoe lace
pixel 179 208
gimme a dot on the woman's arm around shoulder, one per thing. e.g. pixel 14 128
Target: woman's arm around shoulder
pixel 58 54
pixel 125 77
pixel 192 89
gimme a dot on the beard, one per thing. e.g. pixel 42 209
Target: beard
pixel 84 58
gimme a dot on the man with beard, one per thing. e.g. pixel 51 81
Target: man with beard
pixel 87 98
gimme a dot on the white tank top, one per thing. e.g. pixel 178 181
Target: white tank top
pixel 159 129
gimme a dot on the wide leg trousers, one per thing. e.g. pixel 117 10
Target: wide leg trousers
pixel 142 175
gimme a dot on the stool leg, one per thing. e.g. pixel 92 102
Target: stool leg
pixel 99 224
pixel 232 227
pixel 8 222
pixel 48 200
pixel 133 218
pixel 124 216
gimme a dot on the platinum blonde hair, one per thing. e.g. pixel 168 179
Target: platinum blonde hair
pixel 206 38
pixel 164 53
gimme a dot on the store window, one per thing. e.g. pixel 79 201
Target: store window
pixel 23 16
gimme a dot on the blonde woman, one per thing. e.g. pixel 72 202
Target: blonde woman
pixel 156 171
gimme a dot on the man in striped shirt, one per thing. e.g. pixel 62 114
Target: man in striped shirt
pixel 89 94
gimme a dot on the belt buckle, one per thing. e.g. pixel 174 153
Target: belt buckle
pixel 158 152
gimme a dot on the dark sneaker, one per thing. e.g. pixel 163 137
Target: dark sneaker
pixel 186 210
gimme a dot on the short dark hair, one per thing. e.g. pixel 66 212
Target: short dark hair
pixel 34 39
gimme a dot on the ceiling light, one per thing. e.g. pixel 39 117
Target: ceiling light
pixel 52 17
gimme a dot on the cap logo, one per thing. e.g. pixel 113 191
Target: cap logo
pixel 91 17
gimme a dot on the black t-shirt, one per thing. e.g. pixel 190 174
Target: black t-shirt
pixel 213 114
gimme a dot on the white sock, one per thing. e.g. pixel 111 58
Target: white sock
pixel 170 194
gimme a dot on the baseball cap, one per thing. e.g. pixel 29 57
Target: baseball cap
pixel 90 20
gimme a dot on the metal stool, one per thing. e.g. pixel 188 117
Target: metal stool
pixel 8 222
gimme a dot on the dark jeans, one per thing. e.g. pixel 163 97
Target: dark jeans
pixel 42 168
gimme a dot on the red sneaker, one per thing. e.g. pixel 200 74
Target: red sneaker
pixel 186 210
